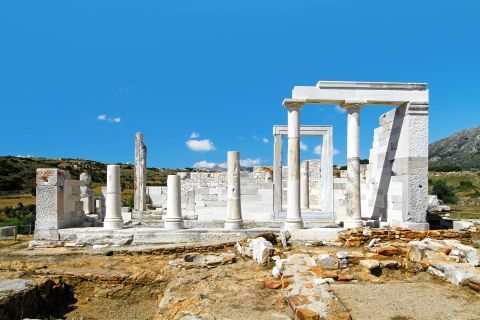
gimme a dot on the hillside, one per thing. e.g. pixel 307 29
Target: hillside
pixel 461 149
pixel 17 175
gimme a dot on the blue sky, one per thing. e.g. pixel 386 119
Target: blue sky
pixel 79 78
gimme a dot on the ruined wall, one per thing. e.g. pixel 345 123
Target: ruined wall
pixel 204 195
pixel 58 203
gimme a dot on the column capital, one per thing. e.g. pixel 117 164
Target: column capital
pixel 353 104
pixel 293 103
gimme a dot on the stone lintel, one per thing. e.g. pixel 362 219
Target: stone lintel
pixel 353 104
pixel 293 103
pixel 305 130
pixel 371 85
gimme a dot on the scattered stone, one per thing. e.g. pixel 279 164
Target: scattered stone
pixel 262 250
pixel 306 314
pixel 324 273
pixel 373 242
pixel 100 246
pixel 273 284
pixel 388 264
pixel 342 255
pixel 284 237
pixel 332 244
pixel 345 277
pixel 370 264
pixel 326 261
pixel 387 251
pixel 269 236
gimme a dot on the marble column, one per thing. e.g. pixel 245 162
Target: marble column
pixel 86 193
pixel 140 174
pixel 294 218
pixel 113 215
pixel 354 214
pixel 234 209
pixel 305 185
pixel 277 173
pixel 173 220
pixel 326 173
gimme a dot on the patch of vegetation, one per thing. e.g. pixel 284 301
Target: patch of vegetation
pixel 19 215
pixel 444 168
pixel 444 192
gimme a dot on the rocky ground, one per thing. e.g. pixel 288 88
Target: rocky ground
pixel 222 284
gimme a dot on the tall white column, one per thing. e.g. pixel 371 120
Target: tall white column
pixel 294 218
pixel 113 215
pixel 305 185
pixel 140 174
pixel 354 214
pixel 234 208
pixel 326 175
pixel 277 173
pixel 173 220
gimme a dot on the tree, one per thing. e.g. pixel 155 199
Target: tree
pixel 444 192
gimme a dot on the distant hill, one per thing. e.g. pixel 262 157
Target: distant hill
pixel 17 174
pixel 461 149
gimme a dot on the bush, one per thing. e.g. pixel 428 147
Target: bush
pixel 445 168
pixel 20 215
pixel 465 185
pixel 444 192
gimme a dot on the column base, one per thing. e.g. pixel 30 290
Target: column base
pixel 113 224
pixel 173 224
pixel 423 226
pixel 234 224
pixel 293 224
pixel 354 223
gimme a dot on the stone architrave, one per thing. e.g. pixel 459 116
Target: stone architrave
pixel 140 177
pixel 113 216
pixel 234 209
pixel 86 193
pixel 305 185
pixel 173 219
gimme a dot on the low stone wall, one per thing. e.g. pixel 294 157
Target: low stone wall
pixel 363 236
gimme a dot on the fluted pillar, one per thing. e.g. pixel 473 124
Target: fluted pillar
pixel 294 218
pixel 354 209
pixel 113 215
pixel 305 185
pixel 173 220
pixel 234 207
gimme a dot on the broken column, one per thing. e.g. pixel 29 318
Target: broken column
pixel 86 193
pixel 173 219
pixel 234 209
pixel 140 175
pixel 294 218
pixel 305 185
pixel 354 214
pixel 113 216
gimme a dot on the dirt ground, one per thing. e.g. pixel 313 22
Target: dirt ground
pixel 145 286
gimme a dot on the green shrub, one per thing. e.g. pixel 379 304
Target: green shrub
pixel 444 192
pixel 445 168
pixel 465 185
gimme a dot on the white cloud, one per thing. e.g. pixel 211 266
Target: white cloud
pixel 250 162
pixel 200 145
pixel 194 135
pixel 340 109
pixel 303 146
pixel 206 164
pixel 318 150
pixel 103 117
pixel 265 140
